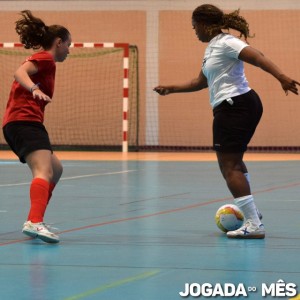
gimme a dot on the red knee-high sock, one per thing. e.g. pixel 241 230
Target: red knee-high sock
pixel 39 195
pixel 51 188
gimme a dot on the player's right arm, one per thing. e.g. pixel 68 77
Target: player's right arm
pixel 256 58
pixel 22 75
pixel 194 85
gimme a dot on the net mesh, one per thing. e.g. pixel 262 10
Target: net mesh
pixel 87 106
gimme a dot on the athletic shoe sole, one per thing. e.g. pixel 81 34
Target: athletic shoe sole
pixel 44 238
pixel 247 236
pixel 30 233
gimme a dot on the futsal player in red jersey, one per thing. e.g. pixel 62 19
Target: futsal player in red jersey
pixel 23 127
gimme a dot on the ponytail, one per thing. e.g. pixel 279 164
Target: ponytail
pixel 236 22
pixel 35 34
pixel 215 19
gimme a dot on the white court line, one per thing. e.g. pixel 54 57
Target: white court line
pixel 97 174
pixel 72 177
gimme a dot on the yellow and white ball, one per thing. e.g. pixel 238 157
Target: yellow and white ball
pixel 229 217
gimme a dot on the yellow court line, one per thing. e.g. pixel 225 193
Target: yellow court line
pixel 118 283
pixel 296 298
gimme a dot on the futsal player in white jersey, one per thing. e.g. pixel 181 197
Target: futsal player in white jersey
pixel 236 107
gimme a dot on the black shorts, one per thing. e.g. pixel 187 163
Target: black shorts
pixel 234 124
pixel 24 137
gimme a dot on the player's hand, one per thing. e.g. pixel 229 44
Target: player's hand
pixel 289 84
pixel 163 90
pixel 39 95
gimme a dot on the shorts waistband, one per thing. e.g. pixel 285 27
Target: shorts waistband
pixel 232 100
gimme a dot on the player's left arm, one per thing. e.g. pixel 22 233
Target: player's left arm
pixel 256 58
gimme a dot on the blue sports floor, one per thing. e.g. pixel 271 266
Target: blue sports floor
pixel 140 230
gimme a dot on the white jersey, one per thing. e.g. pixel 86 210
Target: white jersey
pixel 223 70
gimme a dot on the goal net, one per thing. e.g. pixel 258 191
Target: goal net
pixel 95 102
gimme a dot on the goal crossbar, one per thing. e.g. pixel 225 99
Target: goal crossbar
pixel 124 101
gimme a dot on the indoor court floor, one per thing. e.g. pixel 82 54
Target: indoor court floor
pixel 139 226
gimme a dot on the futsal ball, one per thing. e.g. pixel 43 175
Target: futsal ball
pixel 229 217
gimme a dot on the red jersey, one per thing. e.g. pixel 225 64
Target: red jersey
pixel 21 106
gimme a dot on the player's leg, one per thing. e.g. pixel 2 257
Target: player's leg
pixel 245 171
pixel 233 127
pixel 30 142
pixel 57 172
pixel 40 164
pixel 247 175
pixel 239 165
pixel 233 170
pixel 46 166
pixel 57 168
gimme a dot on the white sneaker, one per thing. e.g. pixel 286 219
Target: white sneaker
pixel 41 231
pixel 260 216
pixel 248 231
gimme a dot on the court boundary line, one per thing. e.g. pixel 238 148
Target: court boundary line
pixel 72 177
pixel 161 268
pixel 159 213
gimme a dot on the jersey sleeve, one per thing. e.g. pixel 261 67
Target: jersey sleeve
pixel 233 47
pixel 44 61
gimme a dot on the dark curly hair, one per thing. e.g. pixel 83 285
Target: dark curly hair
pixel 35 34
pixel 214 19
